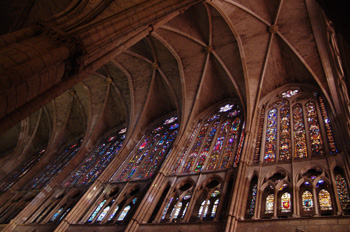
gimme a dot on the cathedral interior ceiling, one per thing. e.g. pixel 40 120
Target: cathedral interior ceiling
pixel 216 50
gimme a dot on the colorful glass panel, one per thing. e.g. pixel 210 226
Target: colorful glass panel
pixel 324 199
pixel 179 163
pixel 103 214
pixel 54 167
pixel 93 215
pixel 148 155
pixel 124 213
pixel 290 93
pixel 226 108
pixel 96 162
pixel 331 143
pixel 271 139
pixel 286 205
pixel 184 211
pixel 14 176
pixel 314 129
pixel 196 146
pixel 307 202
pixel 177 210
pixel 270 201
pixel 214 209
pixel 285 133
pixel 342 190
pixel 113 214
pixel 207 145
pixel 253 200
pixel 201 208
pixel 56 214
pixel 299 132
pixel 239 148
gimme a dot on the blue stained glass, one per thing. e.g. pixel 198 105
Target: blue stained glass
pixel 124 213
pixel 54 167
pixel 93 215
pixel 56 214
pixel 14 176
pixel 95 163
pixel 113 214
pixel 103 214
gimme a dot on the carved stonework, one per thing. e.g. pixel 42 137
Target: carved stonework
pixel 72 63
pixel 339 71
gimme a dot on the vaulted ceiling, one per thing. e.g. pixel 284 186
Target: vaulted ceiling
pixel 220 49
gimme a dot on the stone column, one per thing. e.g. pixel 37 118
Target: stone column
pixel 41 62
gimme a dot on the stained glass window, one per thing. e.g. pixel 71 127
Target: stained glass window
pixel 64 214
pixel 314 129
pixel 213 142
pixel 253 199
pixel 214 209
pixel 14 176
pixel 97 161
pixel 285 149
pixel 148 155
pixel 307 201
pixel 270 200
pixel 299 132
pixel 290 93
pixel 185 209
pixel 177 209
pixel 196 146
pixel 271 136
pixel 166 208
pixel 324 199
pixel 56 214
pixel 329 133
pixel 113 214
pixel 342 190
pixel 286 203
pixel 93 215
pixel 239 148
pixel 124 213
pixel 54 167
pixel 186 148
pixel 294 121
pixel 103 214
pixel 201 208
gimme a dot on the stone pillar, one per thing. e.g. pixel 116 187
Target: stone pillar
pixel 41 62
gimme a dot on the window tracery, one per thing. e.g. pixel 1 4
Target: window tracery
pixel 148 155
pixel 54 167
pixel 215 143
pixel 343 193
pixel 97 160
pixel 299 122
pixel 14 176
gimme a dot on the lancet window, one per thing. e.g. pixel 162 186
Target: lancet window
pixel 54 167
pixel 14 176
pixel 96 161
pixel 342 190
pixel 176 207
pixel 215 142
pixel 297 126
pixel 148 155
pixel 113 207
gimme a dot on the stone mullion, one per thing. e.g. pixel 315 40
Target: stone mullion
pixel 263 137
pixel 145 204
pixel 172 160
pixel 204 140
pixel 234 207
pixel 42 196
pixel 79 209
